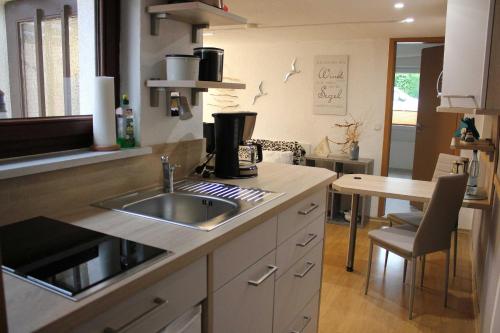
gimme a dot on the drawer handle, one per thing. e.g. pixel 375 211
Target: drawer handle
pixel 272 270
pixel 307 241
pixel 307 320
pixel 159 302
pixel 309 210
pixel 309 266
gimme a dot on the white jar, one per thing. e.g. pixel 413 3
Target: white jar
pixel 182 67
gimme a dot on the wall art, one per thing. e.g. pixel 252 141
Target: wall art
pixel 330 84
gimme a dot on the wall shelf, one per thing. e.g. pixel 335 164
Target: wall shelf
pixel 475 111
pixel 198 14
pixel 155 86
pixel 484 145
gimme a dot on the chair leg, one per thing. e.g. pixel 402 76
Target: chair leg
pixel 404 271
pixel 422 272
pixel 387 251
pixel 412 290
pixel 369 267
pixel 386 258
pixel 446 276
pixel 455 251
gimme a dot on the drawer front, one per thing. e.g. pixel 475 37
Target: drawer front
pixel 299 215
pixel 245 305
pixel 296 287
pixel 234 257
pixel 307 319
pixel 154 308
pixel 299 244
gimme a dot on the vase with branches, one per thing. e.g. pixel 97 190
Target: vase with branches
pixel 350 145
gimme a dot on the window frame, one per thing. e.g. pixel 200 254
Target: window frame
pixel 32 136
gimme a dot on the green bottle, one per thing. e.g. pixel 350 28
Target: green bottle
pixel 125 124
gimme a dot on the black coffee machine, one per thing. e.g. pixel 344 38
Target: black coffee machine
pixel 232 132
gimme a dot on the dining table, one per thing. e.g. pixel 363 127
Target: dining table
pixel 359 185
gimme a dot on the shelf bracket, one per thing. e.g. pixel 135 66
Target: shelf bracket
pixel 155 22
pixel 154 96
pixel 194 95
pixel 194 32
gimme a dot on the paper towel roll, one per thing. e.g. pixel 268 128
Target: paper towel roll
pixel 104 114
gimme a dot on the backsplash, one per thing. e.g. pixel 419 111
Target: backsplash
pixel 59 191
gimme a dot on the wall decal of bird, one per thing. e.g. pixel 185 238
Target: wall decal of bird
pixel 293 71
pixel 260 94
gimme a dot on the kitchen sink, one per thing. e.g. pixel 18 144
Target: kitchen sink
pixel 195 204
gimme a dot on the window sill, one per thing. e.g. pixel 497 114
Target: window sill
pixel 51 162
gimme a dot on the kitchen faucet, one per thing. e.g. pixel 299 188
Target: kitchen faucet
pixel 168 174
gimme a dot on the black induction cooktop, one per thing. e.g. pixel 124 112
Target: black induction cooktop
pixel 70 260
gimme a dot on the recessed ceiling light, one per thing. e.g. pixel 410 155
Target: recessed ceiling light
pixel 206 34
pixel 399 5
pixel 408 20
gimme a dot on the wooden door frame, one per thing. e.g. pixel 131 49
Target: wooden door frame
pixel 391 71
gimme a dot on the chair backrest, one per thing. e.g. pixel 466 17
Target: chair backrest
pixel 441 216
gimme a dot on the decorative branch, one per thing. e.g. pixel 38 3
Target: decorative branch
pixel 352 133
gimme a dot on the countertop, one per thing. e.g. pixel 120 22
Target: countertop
pixel 31 308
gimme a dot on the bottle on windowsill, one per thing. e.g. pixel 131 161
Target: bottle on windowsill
pixel 125 124
pixel 3 111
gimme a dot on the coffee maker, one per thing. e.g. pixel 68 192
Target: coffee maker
pixel 232 133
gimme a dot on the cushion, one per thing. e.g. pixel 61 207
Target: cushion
pixel 399 238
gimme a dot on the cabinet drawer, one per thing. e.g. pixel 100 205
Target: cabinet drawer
pixel 245 305
pixel 234 257
pixel 155 307
pixel 296 287
pixel 307 319
pixel 299 215
pixel 299 244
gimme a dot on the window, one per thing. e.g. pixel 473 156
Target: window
pixel 42 43
pixel 50 64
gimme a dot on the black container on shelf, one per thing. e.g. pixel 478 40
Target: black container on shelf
pixel 211 63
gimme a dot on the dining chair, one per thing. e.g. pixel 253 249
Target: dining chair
pixel 433 233
pixel 443 167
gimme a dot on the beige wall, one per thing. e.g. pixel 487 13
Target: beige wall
pixel 56 192
pixel 286 113
pixel 486 258
pixel 142 58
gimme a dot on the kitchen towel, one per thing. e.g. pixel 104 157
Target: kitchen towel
pixel 104 113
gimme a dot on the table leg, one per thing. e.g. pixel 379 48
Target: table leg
pixel 352 232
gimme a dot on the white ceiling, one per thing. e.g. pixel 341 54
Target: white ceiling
pixel 307 12
pixel 309 19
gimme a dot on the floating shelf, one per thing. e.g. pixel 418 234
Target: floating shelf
pixel 477 204
pixel 196 87
pixel 198 14
pixel 475 111
pixel 484 145
pixel 194 84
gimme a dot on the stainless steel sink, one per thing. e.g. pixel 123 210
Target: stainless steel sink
pixel 195 204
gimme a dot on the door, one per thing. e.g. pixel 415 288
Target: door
pixel 434 129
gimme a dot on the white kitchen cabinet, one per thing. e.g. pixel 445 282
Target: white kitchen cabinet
pixel 154 308
pixel 307 319
pixel 466 55
pixel 297 286
pixel 301 214
pixel 245 305
pixel 268 279
pixel 235 256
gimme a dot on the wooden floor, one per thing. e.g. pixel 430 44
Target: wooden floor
pixel 345 308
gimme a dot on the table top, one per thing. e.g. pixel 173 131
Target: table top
pixel 387 187
pixel 396 188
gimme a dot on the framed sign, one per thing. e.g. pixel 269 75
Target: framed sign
pixel 330 84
